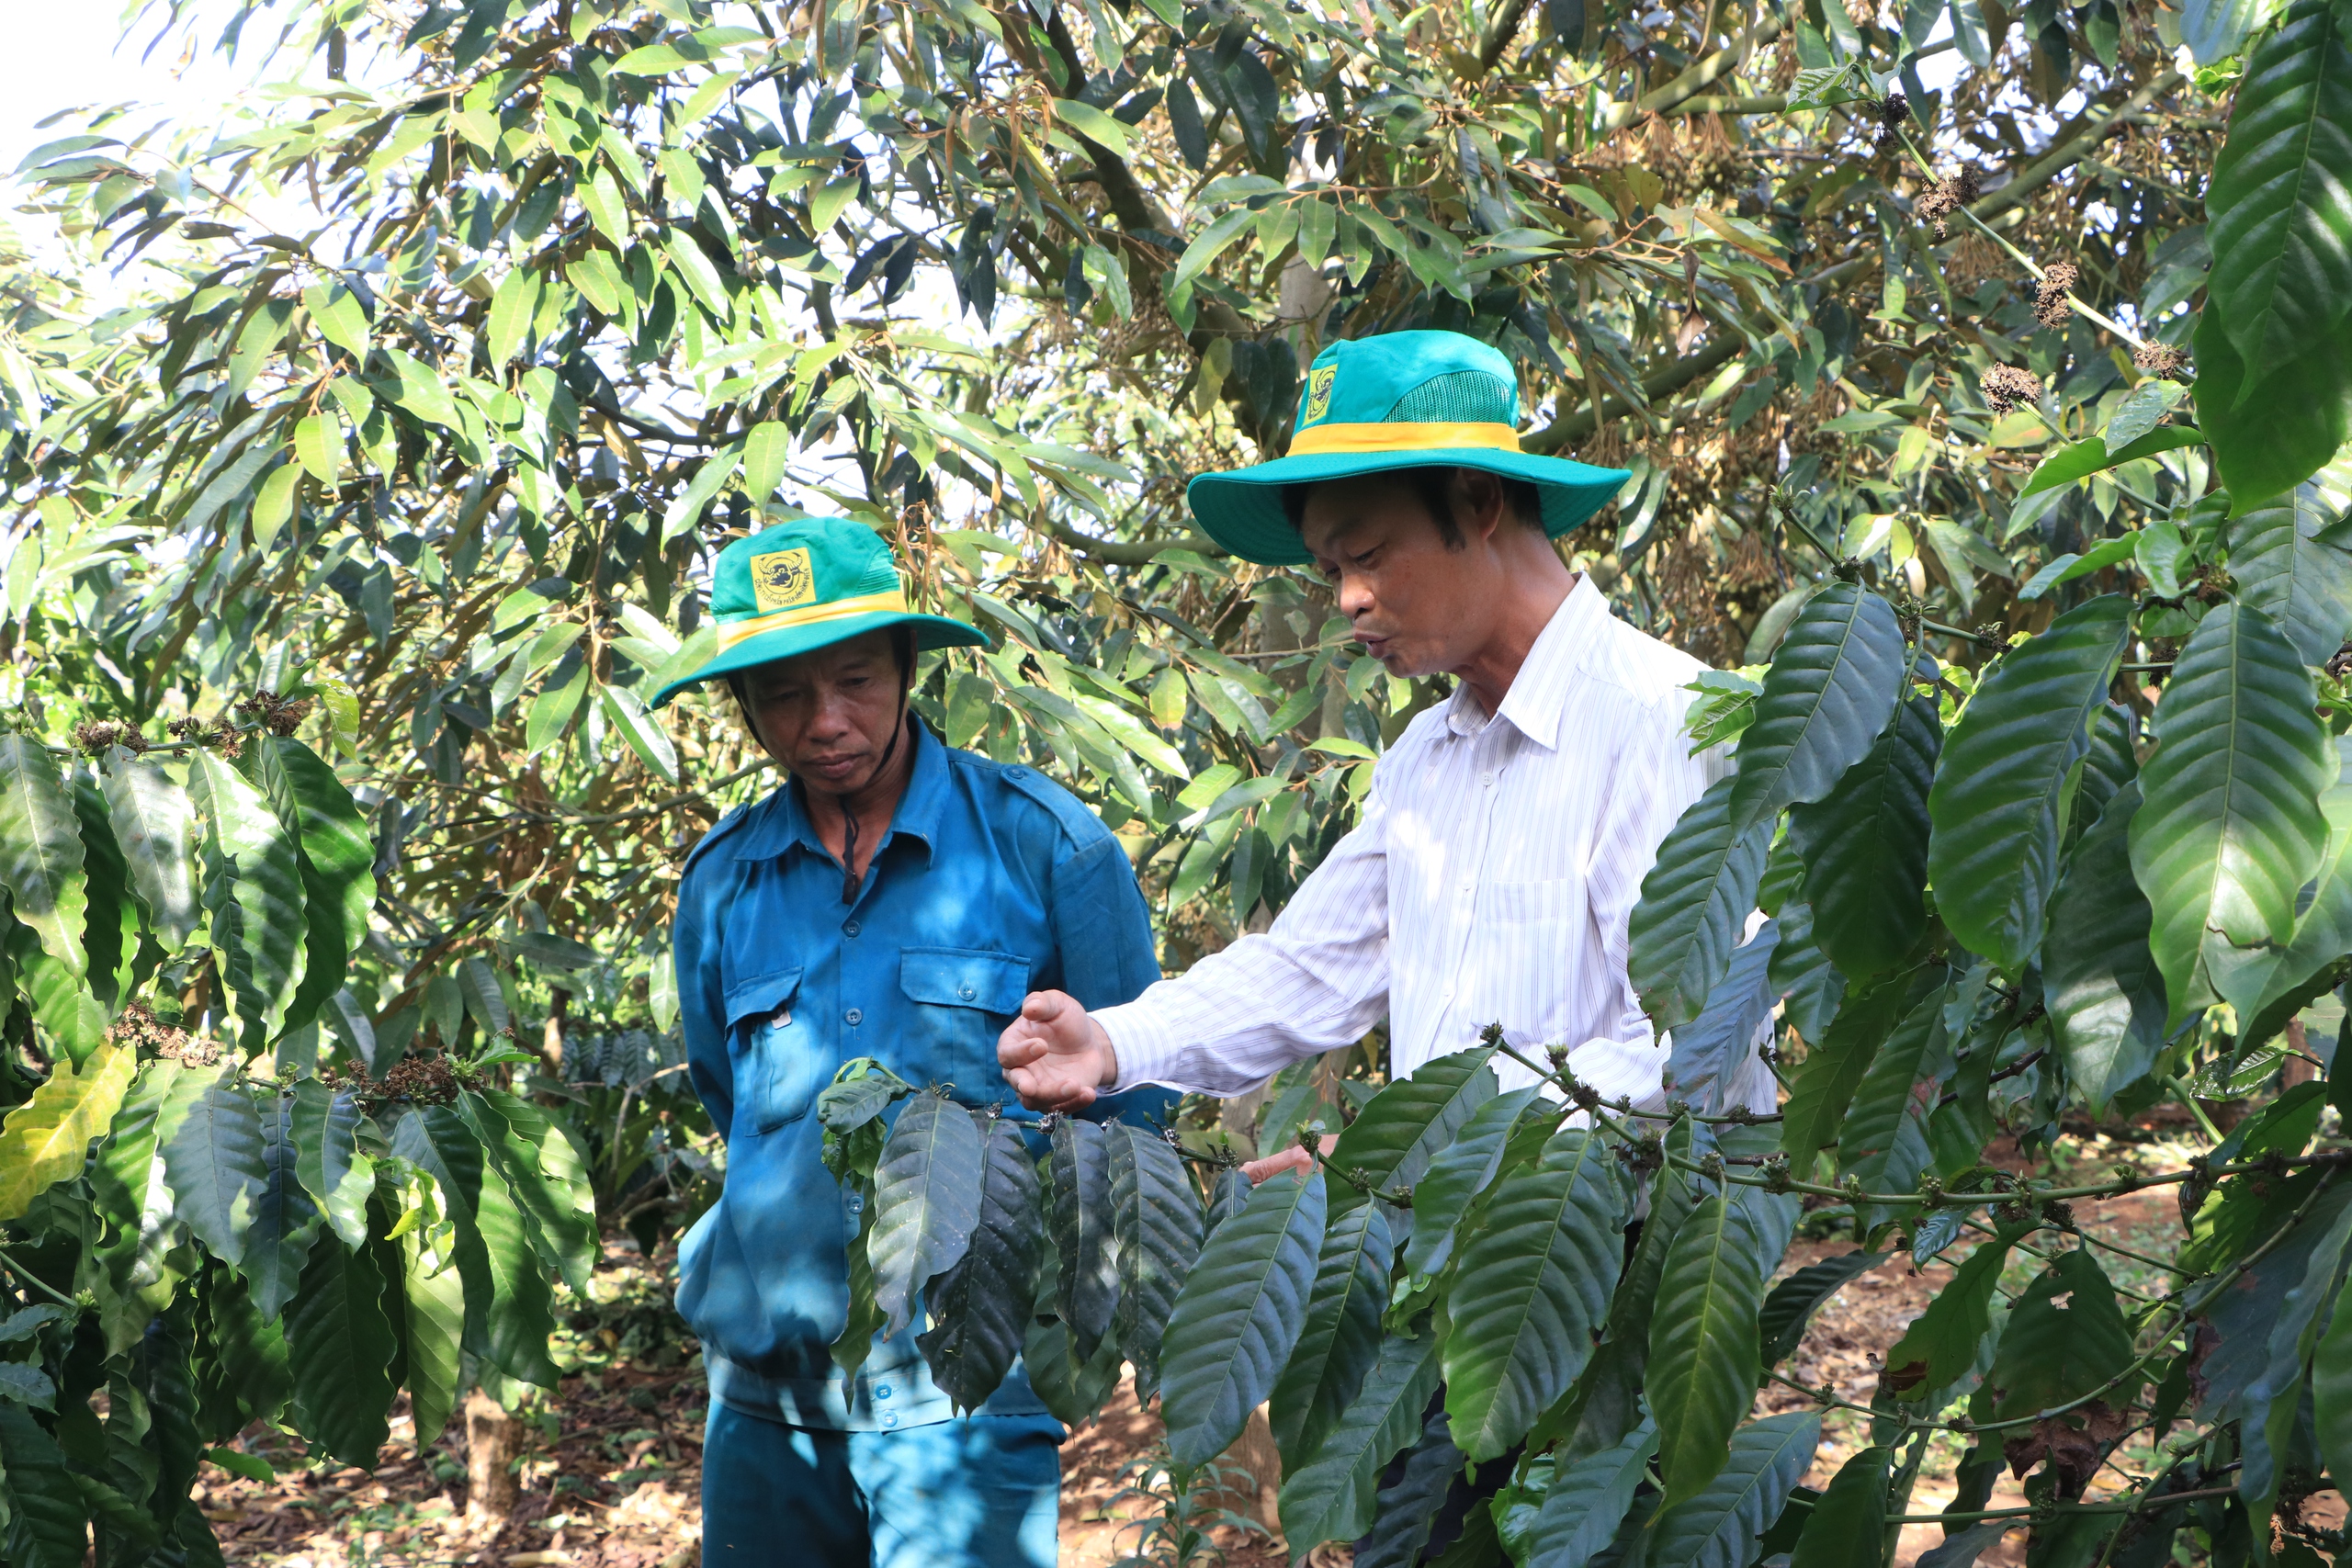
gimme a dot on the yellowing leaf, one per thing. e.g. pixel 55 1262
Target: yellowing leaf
pixel 43 1141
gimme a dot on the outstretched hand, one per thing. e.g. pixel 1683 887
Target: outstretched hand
pixel 1054 1055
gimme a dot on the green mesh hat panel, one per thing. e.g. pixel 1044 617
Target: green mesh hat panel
pixel 1459 397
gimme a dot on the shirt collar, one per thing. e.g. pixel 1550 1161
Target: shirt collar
pixel 1539 693
pixel 785 816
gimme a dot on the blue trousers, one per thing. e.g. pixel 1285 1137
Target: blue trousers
pixel 982 1491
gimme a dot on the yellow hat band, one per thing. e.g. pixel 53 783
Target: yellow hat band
pixel 733 633
pixel 1400 436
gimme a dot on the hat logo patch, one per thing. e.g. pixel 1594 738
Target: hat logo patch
pixel 1319 392
pixel 782 579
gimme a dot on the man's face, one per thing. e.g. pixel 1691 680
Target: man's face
pixel 1417 606
pixel 828 716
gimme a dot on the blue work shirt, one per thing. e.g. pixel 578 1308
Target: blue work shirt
pixel 992 882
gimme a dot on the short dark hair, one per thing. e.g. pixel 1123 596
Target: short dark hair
pixel 1434 485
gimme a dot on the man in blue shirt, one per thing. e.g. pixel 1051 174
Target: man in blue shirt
pixel 896 898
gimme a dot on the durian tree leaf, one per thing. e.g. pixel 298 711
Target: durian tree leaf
pixel 1833 682
pixel 2007 780
pixel 1718 1526
pixel 1239 1315
pixel 979 1307
pixel 1694 906
pixel 1532 1283
pixel 46 1139
pixel 1087 1283
pixel 1394 1138
pixel 342 1349
pixel 926 1201
pixel 40 851
pixel 1864 847
pixel 1333 1495
pixel 1156 1223
pixel 2229 828
pixel 1701 1370
pixel 2099 982
pixel 1340 1338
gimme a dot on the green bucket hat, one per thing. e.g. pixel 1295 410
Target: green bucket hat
pixel 805 585
pixel 1399 400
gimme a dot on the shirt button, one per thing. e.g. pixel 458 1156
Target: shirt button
pixel 856 1204
pixel 849 928
pixel 892 1420
pixel 882 1391
pixel 853 1017
pixel 1487 779
pixel 966 993
pixel 1016 773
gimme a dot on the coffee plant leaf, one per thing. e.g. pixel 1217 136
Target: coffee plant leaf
pixel 980 1305
pixel 1589 1499
pixel 1847 1527
pixel 40 851
pixel 45 1140
pixel 1087 1284
pixel 1704 1337
pixel 217 1163
pixel 926 1202
pixel 1718 1526
pixel 327 1158
pixel 253 887
pixel 342 1349
pixel 2229 828
pixel 1825 1082
pixel 1833 682
pixel 1407 1510
pixel 1333 1495
pixel 1864 847
pixel 1531 1285
pixel 1239 1315
pixel 1155 1224
pixel 2005 781
pixel 1392 1139
pixel 2099 981
pixel 1780 1321
pixel 285 1222
pixel 338 860
pixel 1711 1050
pixel 1882 1141
pixel 1694 906
pixel 1340 1338
pixel 1462 1170
pixel 2292 559
pixel 1943 1341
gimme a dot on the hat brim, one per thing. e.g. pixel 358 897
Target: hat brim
pixel 787 642
pixel 1243 511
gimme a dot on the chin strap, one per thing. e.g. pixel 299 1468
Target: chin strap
pixel 852 879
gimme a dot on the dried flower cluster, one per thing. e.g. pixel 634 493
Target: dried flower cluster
pixel 100 735
pixel 2158 359
pixel 217 734
pixel 2050 306
pixel 279 716
pixel 1894 113
pixel 150 1035
pixel 2007 388
pixel 423 1080
pixel 1947 196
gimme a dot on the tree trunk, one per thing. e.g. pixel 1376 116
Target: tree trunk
pixel 490 1442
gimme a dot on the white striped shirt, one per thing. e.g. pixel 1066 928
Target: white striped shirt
pixel 1489 881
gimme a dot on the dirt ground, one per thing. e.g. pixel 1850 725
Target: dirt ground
pixel 610 1467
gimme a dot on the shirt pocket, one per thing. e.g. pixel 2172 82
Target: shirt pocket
pixel 959 1001
pixel 779 1067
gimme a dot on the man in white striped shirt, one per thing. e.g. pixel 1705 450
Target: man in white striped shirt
pixel 1509 828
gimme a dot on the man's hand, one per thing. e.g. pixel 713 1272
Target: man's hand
pixel 1054 1055
pixel 1290 1158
